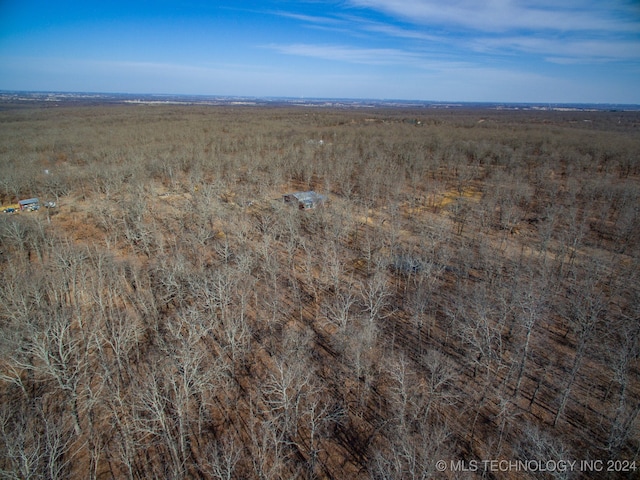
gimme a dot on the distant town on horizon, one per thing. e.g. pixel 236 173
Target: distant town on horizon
pixel 27 97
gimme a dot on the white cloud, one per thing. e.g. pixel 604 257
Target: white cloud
pixel 572 31
pixel 507 15
pixel 574 49
pixel 396 31
pixel 314 19
pixel 370 56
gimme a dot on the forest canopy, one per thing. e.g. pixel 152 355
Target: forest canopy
pixel 469 291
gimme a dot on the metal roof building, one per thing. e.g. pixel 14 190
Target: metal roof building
pixel 29 204
pixel 305 200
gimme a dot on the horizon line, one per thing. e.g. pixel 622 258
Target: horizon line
pixel 310 99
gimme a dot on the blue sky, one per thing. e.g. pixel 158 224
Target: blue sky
pixel 451 50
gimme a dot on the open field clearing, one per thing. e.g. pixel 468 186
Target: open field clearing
pixel 470 291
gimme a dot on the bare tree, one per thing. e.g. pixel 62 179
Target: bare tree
pixel 339 308
pixel 62 357
pixel 476 322
pixel 374 293
pixel 284 392
pixel 222 458
pixel 126 439
pixel 359 341
pixel 35 444
pixel 532 303
pixel 117 336
pixel 540 446
pixel 440 378
pixel 412 455
pixel 59 445
pixel 404 390
pixel 586 307
pixel 154 420
pixel 269 449
pixel 316 420
pixel 24 452
pixel 628 408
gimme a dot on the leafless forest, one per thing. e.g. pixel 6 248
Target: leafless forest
pixel 469 292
